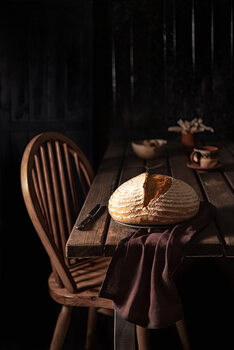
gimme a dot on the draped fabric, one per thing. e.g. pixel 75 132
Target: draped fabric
pixel 140 276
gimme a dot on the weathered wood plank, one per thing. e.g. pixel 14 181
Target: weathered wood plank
pixel 148 65
pixel 71 62
pixel 170 73
pixel 226 157
pixel 203 57
pixel 208 240
pixel 90 242
pixel 230 146
pixel 219 193
pixel 17 55
pixel 121 31
pixel 222 84
pixel 37 62
pixel 132 166
pixel 225 214
pixel 184 79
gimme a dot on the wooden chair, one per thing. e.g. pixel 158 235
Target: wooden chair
pixel 55 179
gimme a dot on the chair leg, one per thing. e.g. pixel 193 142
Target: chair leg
pixel 143 338
pixel 91 326
pixel 61 328
pixel 183 334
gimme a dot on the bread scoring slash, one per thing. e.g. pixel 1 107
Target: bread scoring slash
pixel 153 199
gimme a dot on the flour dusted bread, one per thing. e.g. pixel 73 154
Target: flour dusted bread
pixel 153 199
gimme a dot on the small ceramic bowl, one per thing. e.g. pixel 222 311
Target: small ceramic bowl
pixel 148 149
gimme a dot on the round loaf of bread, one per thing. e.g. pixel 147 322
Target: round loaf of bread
pixel 153 199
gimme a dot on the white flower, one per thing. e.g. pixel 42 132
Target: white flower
pixel 194 126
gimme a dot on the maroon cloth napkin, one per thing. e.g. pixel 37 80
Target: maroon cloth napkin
pixel 140 280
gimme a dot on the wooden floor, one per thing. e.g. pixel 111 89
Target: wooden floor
pixel 207 292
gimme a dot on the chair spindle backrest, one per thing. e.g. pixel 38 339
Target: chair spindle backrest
pixel 55 178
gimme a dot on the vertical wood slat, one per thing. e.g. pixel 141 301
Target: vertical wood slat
pixel 52 81
pixel 121 25
pixel 49 194
pixel 40 200
pixel 43 203
pixel 169 59
pixel 42 190
pixel 113 78
pixel 37 65
pixel 57 197
pixel 63 186
pixel 71 179
pixel 131 57
pixel 38 193
pixel 17 33
pixel 155 65
pixel 74 91
pixel 184 67
pixel 203 29
pixel 4 58
pixel 231 39
pixel 222 14
pixel 193 37
pixel 203 57
pixel 222 85
pixel 148 65
pixel 141 48
pixel 212 34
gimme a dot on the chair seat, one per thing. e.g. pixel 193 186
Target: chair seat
pixel 88 275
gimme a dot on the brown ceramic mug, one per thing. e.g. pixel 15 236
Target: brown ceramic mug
pixel 205 156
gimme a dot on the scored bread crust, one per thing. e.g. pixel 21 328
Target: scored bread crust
pixel 170 201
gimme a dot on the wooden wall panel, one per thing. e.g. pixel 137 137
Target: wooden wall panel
pixel 122 69
pixel 72 40
pixel 222 83
pixel 169 35
pixel 150 78
pixel 203 57
pixel 17 65
pixel 184 80
pixel 45 64
pixel 37 63
pixel 137 65
pixel 45 85
pixel 182 64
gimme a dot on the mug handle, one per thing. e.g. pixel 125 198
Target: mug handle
pixel 192 157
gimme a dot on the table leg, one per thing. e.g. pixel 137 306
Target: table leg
pixel 124 334
pixel 143 338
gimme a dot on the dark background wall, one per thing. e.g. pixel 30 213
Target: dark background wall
pixel 171 58
pixel 46 83
pixel 96 70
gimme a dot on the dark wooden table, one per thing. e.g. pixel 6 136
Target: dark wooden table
pixel 120 164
